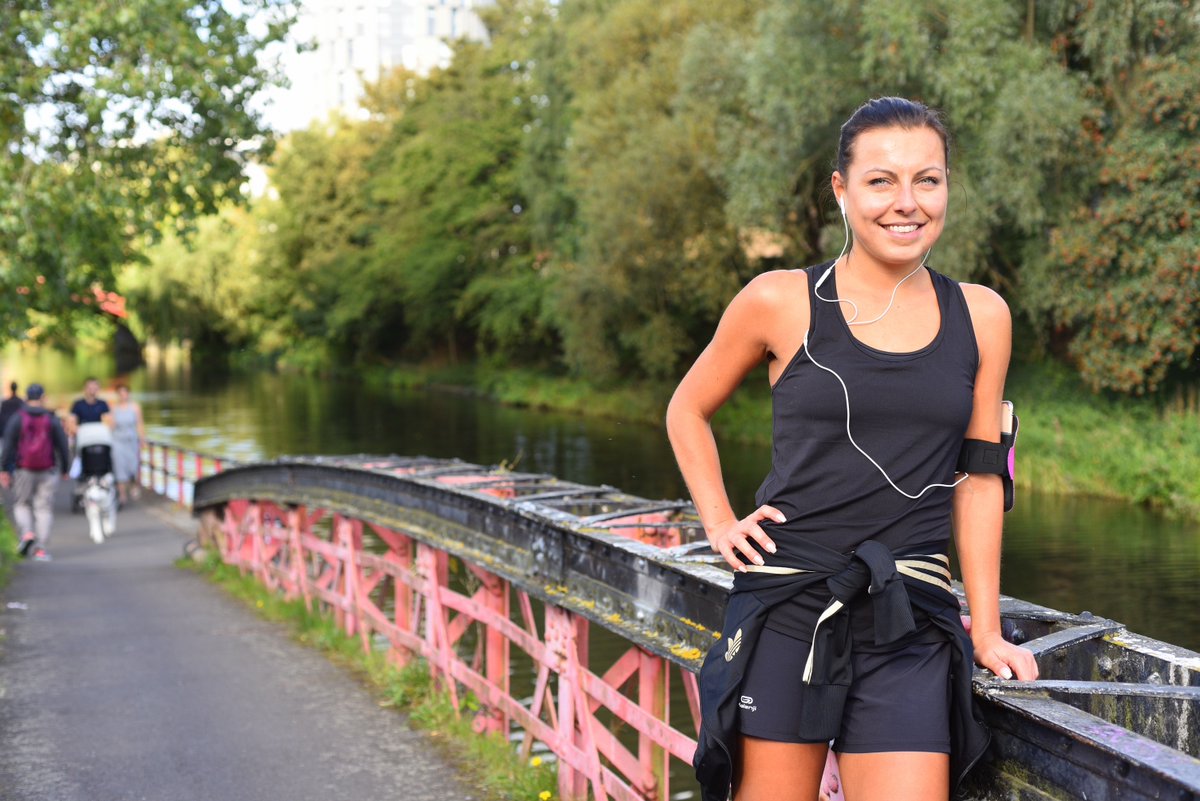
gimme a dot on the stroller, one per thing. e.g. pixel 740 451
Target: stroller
pixel 96 486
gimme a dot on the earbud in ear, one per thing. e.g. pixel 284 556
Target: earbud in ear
pixel 842 204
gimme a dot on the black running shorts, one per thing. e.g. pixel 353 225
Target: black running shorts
pixel 899 700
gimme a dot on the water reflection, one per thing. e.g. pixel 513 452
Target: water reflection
pixel 1109 558
pixel 1068 553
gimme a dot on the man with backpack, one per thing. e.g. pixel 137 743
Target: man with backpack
pixel 35 454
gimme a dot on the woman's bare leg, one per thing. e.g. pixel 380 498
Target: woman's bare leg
pixel 771 771
pixel 895 776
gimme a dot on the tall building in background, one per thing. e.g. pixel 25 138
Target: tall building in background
pixel 359 40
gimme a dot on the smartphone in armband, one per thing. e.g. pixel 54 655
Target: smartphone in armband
pixel 1009 424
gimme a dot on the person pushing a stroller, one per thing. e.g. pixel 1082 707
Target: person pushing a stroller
pixel 96 486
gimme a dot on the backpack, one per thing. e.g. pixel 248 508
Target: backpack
pixel 35 451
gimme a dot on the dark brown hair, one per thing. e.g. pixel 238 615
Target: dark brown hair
pixel 888 112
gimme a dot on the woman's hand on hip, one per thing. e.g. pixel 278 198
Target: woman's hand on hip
pixel 734 540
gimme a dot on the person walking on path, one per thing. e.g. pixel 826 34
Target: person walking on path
pixel 10 405
pixel 128 434
pixel 35 455
pixel 842 625
pixel 90 408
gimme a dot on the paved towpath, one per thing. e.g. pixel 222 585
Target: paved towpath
pixel 129 678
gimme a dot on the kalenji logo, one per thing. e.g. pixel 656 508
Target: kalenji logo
pixel 747 703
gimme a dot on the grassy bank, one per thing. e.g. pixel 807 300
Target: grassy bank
pixel 642 402
pixel 489 763
pixel 1071 441
pixel 8 550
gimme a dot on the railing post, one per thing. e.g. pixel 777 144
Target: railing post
pixel 496 598
pixel 434 567
pixel 343 614
pixel 559 640
pixel 153 468
pixel 358 586
pixel 402 594
pixel 654 699
pixel 297 519
pixel 569 651
pixel 179 474
pixel 228 533
pixel 254 524
pixel 691 691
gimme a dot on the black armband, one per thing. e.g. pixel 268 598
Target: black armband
pixel 993 458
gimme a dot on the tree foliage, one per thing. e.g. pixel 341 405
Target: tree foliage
pixel 592 185
pixel 454 247
pixel 320 227
pixel 656 259
pixel 115 119
pixel 202 288
pixel 1122 281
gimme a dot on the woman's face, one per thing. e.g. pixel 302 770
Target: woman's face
pixel 895 193
pixel 122 394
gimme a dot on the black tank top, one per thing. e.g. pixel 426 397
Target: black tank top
pixel 909 411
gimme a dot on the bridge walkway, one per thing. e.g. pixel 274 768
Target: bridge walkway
pixel 123 676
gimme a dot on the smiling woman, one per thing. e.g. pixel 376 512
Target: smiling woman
pixel 880 368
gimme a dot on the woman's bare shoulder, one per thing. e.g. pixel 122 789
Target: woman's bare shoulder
pixel 991 320
pixel 776 287
pixel 985 304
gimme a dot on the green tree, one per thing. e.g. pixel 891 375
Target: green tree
pixel 454 255
pixel 657 259
pixel 116 116
pixel 313 296
pixel 595 182
pixel 1122 283
pixel 1071 163
pixel 201 288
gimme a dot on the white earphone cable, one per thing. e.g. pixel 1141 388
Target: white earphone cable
pixel 850 436
pixel 853 321
pixel 845 244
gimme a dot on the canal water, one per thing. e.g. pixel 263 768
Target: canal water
pixel 1069 553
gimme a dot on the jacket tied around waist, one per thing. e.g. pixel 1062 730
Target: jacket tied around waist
pixel 904 589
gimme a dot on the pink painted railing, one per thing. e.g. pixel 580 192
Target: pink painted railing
pixel 405 595
pixel 289 550
pixel 172 471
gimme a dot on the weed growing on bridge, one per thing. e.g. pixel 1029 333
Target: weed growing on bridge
pixel 490 763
